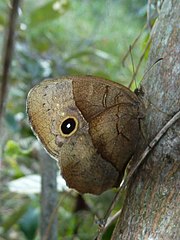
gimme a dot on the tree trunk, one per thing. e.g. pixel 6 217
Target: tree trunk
pixel 151 210
pixel 49 195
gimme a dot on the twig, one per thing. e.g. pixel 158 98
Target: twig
pixel 9 43
pixel 148 14
pixel 140 61
pixel 124 183
pixel 112 219
pixel 133 44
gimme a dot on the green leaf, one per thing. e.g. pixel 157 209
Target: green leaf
pixel 14 217
pixel 48 12
pixel 12 123
pixel 13 149
pixel 29 223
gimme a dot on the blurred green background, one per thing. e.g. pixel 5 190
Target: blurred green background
pixel 55 38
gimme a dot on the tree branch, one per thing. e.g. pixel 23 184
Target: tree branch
pixel 9 44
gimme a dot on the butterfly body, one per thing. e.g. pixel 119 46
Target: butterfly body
pixel 89 125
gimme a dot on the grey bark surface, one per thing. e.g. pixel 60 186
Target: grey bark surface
pixel 152 209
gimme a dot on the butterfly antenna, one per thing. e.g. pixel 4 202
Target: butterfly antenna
pixel 158 60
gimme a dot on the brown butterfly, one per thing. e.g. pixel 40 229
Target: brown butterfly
pixel 89 125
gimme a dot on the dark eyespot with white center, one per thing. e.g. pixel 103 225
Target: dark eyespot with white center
pixel 68 126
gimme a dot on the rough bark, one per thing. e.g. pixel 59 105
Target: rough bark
pixel 152 209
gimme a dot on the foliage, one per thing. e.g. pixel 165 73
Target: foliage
pixel 55 38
